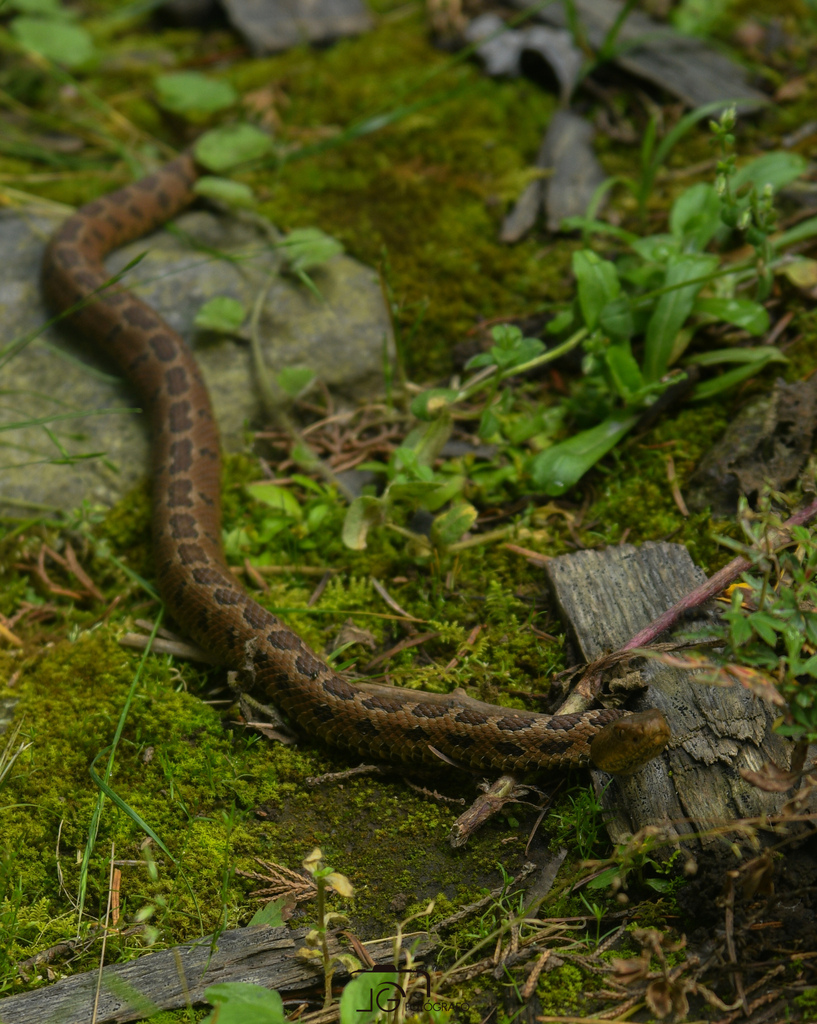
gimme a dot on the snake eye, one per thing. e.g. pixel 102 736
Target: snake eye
pixel 624 746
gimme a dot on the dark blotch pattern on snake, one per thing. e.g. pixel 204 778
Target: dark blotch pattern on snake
pixel 370 721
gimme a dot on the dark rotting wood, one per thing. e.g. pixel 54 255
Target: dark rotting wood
pixel 177 977
pixel 605 597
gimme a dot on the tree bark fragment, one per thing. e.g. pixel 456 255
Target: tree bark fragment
pixel 605 597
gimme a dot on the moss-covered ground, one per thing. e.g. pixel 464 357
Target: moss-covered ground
pixel 422 199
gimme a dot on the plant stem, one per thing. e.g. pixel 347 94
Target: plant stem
pixel 715 584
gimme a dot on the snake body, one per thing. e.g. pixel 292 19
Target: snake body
pixel 381 722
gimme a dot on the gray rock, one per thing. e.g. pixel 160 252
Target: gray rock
pixel 341 338
pixel 269 26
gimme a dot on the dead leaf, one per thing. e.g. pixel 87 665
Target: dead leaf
pixel 802 273
pixel 659 998
pixel 352 634
pixel 757 682
pixel 627 971
pixel 792 90
pixel 664 997
pixel 757 877
pixel 770 778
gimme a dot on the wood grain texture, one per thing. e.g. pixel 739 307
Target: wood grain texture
pixel 606 597
pixel 173 978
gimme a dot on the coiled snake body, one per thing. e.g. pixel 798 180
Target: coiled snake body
pixel 380 722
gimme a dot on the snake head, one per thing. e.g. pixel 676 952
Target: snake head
pixel 623 746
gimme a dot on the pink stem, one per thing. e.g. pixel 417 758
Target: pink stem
pixel 714 585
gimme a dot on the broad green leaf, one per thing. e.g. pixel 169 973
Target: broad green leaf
pixel 598 284
pixel 222 149
pixel 304 456
pixel 656 248
pixel 428 442
pixel 307 248
pixel 672 309
pixel 590 226
pixel 745 313
pixel 315 516
pixel 68 45
pixel 801 271
pixel 233 193
pixel 239 1002
pixel 192 94
pixel 681 343
pixel 451 525
pixel 624 372
pixel 695 217
pixel 273 524
pixel 278 498
pixel 270 914
pixel 809 667
pixel 709 388
pixel 758 354
pixel 739 628
pixel 511 349
pixel 616 319
pixel 527 349
pixel 478 361
pixel 363 513
pixel 44 8
pixel 294 380
pixel 431 403
pixel 660 884
pixel 417 490
pixel 488 424
pixel 221 314
pixel 405 461
pixel 799 233
pixel 368 995
pixel 442 493
pixel 312 485
pixel 556 469
pixel 561 322
pixel 777 169
pixel 764 625
pixel 604 879
pixel 236 541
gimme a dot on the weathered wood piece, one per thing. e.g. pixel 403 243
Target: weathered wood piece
pixel 574 175
pixel 605 597
pixel 177 977
pixel 685 67
pixel 768 442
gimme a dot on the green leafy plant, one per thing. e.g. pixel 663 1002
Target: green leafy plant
pixel 635 315
pixel 317 940
pixel 306 249
pixel 239 1002
pixel 193 95
pixel 411 484
pixel 769 634
pixel 47 28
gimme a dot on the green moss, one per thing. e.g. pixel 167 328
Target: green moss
pixel 806 1002
pixel 635 494
pixel 422 199
pixel 562 991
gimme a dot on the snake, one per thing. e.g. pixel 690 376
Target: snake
pixel 386 723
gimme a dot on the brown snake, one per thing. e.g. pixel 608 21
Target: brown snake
pixel 381 722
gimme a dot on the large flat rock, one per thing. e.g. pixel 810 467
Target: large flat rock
pixel 64 382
